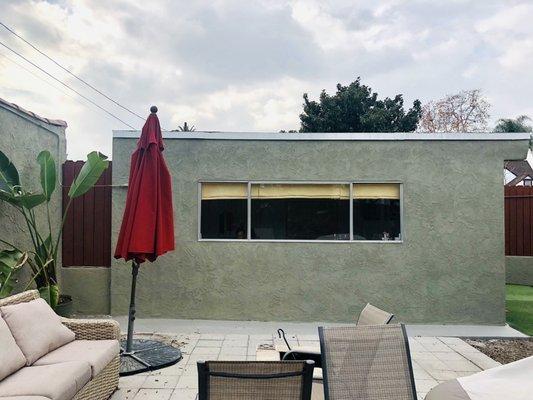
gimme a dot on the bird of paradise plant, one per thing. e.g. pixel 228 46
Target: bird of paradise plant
pixel 42 259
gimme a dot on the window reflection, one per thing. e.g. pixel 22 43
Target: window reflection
pixel 300 211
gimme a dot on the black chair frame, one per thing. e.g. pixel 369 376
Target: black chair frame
pixel 204 374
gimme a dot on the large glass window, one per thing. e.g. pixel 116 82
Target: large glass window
pixel 376 211
pixel 223 210
pixel 300 211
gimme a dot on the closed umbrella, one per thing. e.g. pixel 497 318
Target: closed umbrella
pixel 147 231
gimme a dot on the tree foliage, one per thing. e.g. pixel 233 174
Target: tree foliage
pixel 356 108
pixel 466 111
pixel 519 124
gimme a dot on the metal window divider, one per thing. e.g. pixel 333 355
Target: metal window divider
pixel 351 211
pixel 249 212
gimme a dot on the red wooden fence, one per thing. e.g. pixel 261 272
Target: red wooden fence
pixel 518 221
pixel 87 229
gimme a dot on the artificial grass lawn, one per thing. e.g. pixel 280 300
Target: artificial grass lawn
pixel 519 308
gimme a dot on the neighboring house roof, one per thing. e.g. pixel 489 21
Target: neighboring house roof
pixel 521 169
pixel 56 122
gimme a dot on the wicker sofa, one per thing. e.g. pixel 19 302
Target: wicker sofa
pixel 100 385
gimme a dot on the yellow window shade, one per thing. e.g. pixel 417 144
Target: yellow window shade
pixel 224 190
pixel 300 191
pixel 376 191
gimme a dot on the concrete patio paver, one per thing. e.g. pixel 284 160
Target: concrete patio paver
pixel 435 359
pixel 154 394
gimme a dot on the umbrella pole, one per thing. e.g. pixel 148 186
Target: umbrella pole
pixel 131 315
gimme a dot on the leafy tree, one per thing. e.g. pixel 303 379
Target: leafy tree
pixel 356 108
pixel 519 124
pixel 466 111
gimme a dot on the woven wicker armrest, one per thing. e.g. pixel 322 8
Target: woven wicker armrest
pixel 23 297
pixel 93 329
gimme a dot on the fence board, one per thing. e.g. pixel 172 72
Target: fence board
pixel 518 221
pixel 77 210
pixel 87 229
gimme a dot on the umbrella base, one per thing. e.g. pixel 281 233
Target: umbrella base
pixel 147 355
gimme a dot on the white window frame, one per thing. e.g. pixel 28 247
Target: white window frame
pixel 249 211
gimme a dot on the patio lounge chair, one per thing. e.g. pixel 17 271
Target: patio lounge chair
pixel 367 362
pixel 510 381
pixel 254 380
pixel 370 315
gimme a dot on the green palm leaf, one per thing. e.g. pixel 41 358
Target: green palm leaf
pixel 89 174
pixel 10 262
pixel 9 175
pixel 48 173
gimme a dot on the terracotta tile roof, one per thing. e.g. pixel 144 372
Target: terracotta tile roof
pixel 56 122
pixel 520 168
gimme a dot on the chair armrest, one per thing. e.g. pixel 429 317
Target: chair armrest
pixel 93 329
pixel 23 297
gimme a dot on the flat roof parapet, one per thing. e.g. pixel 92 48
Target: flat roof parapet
pixel 331 136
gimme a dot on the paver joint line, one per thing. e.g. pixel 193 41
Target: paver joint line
pixel 435 359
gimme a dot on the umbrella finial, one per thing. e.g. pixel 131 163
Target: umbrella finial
pixel 153 109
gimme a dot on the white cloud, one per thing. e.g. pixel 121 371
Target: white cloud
pixel 233 65
pixel 333 33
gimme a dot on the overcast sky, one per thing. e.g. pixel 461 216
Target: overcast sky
pixel 244 65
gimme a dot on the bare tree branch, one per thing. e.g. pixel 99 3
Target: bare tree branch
pixel 466 111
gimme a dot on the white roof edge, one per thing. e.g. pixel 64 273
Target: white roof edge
pixel 348 136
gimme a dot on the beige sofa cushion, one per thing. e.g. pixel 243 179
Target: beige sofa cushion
pixel 11 356
pixel 37 329
pixel 56 381
pixel 24 398
pixel 98 353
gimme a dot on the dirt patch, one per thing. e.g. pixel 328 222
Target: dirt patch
pixel 167 339
pixel 504 350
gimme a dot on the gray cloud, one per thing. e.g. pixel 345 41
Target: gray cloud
pixel 234 65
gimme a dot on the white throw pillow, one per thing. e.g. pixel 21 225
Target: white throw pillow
pixel 37 329
pixel 10 354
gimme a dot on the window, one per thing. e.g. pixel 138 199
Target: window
pixel 223 210
pixel 300 211
pixel 376 211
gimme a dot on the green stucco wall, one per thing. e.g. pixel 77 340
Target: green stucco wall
pixel 89 288
pixel 519 270
pixel 449 269
pixel 22 138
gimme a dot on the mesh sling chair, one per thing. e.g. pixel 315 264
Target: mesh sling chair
pixel 255 380
pixel 370 315
pixel 369 362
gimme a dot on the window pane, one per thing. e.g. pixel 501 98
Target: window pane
pixel 223 212
pixel 300 211
pixel 376 212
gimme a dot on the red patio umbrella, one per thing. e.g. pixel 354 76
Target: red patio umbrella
pixel 147 229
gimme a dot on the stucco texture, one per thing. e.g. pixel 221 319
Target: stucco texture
pixel 89 288
pixel 450 267
pixel 519 270
pixel 22 138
